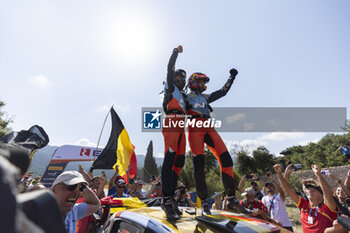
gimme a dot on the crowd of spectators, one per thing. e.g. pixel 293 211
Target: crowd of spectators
pixel 322 209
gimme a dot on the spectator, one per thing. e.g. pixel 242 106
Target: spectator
pixel 135 188
pixel 341 225
pixel 155 190
pixel 320 211
pixel 258 193
pixel 275 203
pixel 37 186
pixel 119 189
pixel 347 181
pixel 340 196
pixel 345 150
pixel 87 176
pixel 182 198
pixel 67 188
pixel 97 184
pixel 218 202
pixel 250 202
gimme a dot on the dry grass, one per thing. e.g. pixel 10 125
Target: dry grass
pixel 294 215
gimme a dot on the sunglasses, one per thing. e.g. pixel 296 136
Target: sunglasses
pixel 74 186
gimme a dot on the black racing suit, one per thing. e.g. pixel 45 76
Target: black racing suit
pixel 174 106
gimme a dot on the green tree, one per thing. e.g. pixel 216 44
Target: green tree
pixel 263 159
pixel 244 163
pixel 4 123
pixel 210 167
pixel 150 167
pixel 212 173
pixel 322 153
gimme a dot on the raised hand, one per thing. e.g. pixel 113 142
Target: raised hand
pixel 278 168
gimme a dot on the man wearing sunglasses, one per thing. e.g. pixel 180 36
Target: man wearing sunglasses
pixel 67 188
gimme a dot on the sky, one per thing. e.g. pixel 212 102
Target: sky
pixel 63 64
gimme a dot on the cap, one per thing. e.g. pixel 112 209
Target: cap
pixel 248 191
pixel 253 183
pixel 318 188
pixel 120 181
pixel 69 178
pixel 95 177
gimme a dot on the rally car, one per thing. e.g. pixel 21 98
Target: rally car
pixel 153 220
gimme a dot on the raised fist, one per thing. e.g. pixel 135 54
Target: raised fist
pixel 233 72
pixel 179 48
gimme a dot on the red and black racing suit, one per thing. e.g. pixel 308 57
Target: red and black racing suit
pixel 199 109
pixel 174 106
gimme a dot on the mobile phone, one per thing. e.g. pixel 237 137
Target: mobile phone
pixel 297 166
pixel 248 176
pixel 325 172
pixel 190 211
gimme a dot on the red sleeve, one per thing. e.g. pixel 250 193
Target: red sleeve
pixel 303 204
pixel 263 207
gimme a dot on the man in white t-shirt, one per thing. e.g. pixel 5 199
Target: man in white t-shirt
pixel 275 203
pixel 67 188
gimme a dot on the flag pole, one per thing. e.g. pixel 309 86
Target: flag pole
pixel 99 138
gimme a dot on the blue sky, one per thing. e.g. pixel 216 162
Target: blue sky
pixel 64 63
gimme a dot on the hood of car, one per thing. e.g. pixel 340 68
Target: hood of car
pixel 193 221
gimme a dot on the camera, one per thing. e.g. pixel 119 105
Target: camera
pixel 286 152
pixel 325 172
pixel 248 176
pixel 37 208
pixel 297 166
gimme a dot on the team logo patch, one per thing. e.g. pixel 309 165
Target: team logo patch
pixel 152 119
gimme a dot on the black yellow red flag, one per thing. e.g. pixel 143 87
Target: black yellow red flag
pixel 119 151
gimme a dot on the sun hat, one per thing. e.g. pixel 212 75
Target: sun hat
pixel 69 178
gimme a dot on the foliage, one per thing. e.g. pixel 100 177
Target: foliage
pixel 324 153
pixel 212 173
pixel 4 123
pixel 150 167
pixel 260 160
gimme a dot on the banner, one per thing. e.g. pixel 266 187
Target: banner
pixel 62 156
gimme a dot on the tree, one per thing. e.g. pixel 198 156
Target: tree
pixel 150 167
pixel 3 122
pixel 262 160
pixel 244 163
pixel 322 153
pixel 211 169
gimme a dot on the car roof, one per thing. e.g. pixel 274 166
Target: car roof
pixel 220 221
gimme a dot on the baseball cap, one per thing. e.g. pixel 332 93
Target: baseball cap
pixel 69 178
pixel 248 191
pixel 318 188
pixel 120 181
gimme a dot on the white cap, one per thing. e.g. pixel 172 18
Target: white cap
pixel 69 178
pixel 248 191
pixel 120 181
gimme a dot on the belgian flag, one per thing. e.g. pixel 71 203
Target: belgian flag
pixel 119 151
